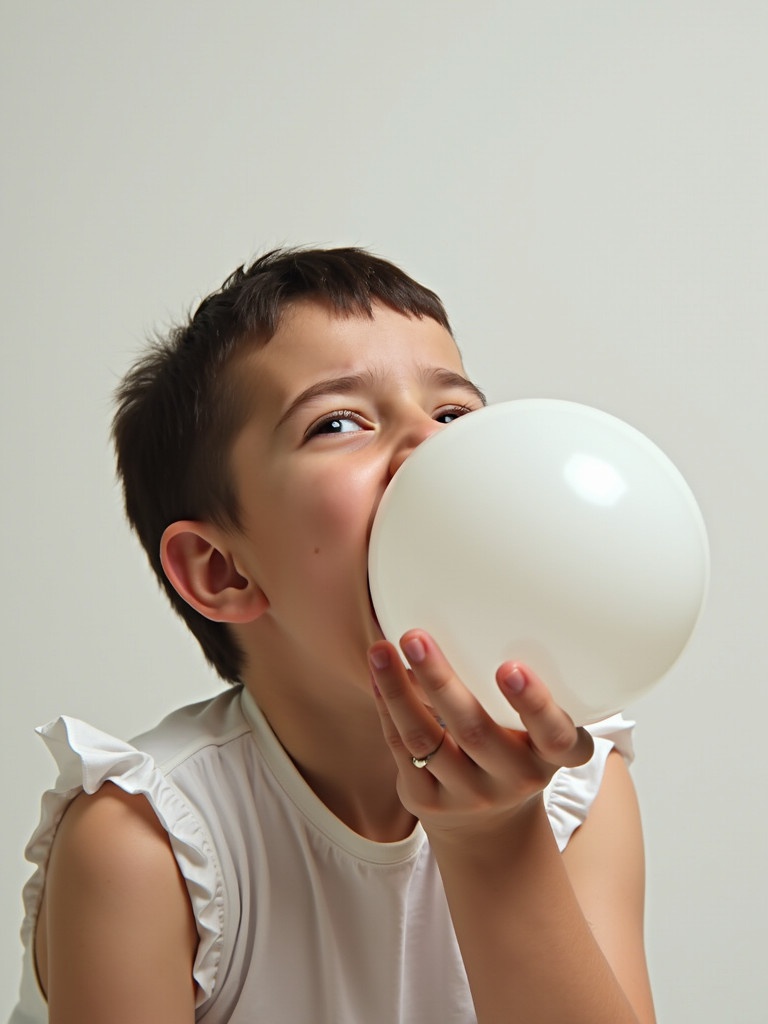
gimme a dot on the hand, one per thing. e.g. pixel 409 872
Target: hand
pixel 479 774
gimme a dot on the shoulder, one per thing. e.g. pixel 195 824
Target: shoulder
pixel 115 907
pixel 214 722
pixel 108 832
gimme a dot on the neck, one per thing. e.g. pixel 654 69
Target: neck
pixel 341 754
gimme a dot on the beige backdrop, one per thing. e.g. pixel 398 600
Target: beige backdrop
pixel 583 181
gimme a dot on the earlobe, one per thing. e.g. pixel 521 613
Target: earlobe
pixel 201 568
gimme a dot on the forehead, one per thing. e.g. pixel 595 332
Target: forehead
pixel 314 343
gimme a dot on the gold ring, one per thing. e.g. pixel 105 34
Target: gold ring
pixel 422 762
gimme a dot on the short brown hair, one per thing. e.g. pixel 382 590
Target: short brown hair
pixel 178 409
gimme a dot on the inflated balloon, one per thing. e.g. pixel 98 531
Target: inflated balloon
pixel 550 533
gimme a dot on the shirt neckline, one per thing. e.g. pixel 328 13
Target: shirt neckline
pixel 311 807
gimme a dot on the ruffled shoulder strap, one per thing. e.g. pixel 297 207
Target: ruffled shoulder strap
pixel 87 758
pixel 572 791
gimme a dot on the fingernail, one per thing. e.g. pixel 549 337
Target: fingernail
pixel 414 650
pixel 379 658
pixel 514 681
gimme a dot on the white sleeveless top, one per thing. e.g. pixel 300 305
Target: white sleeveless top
pixel 301 920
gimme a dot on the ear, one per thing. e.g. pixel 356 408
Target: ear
pixel 202 569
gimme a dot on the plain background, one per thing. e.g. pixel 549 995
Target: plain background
pixel 584 183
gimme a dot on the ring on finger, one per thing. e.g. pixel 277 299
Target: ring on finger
pixel 422 762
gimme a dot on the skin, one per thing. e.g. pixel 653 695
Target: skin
pixel 338 404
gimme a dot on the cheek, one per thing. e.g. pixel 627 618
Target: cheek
pixel 336 522
pixel 333 515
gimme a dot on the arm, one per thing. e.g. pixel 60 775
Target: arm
pixel 116 937
pixel 605 863
pixel 528 948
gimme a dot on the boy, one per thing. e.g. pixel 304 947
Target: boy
pixel 334 838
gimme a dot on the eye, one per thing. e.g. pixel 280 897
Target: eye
pixel 340 422
pixel 451 413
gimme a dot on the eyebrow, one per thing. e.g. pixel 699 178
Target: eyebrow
pixel 449 379
pixel 356 381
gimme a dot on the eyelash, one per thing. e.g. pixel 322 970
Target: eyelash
pixel 338 414
pixel 347 414
pixel 460 410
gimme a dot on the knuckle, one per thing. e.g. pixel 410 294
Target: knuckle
pixel 438 682
pixel 471 734
pixel 418 742
pixel 394 740
pixel 537 701
pixel 561 739
pixel 536 776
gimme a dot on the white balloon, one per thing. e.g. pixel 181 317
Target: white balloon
pixel 550 533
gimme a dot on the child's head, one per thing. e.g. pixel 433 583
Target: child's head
pixel 181 405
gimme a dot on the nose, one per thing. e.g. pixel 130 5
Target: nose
pixel 418 430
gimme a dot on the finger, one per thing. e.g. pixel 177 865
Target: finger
pixel 551 730
pixel 475 733
pixel 410 728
